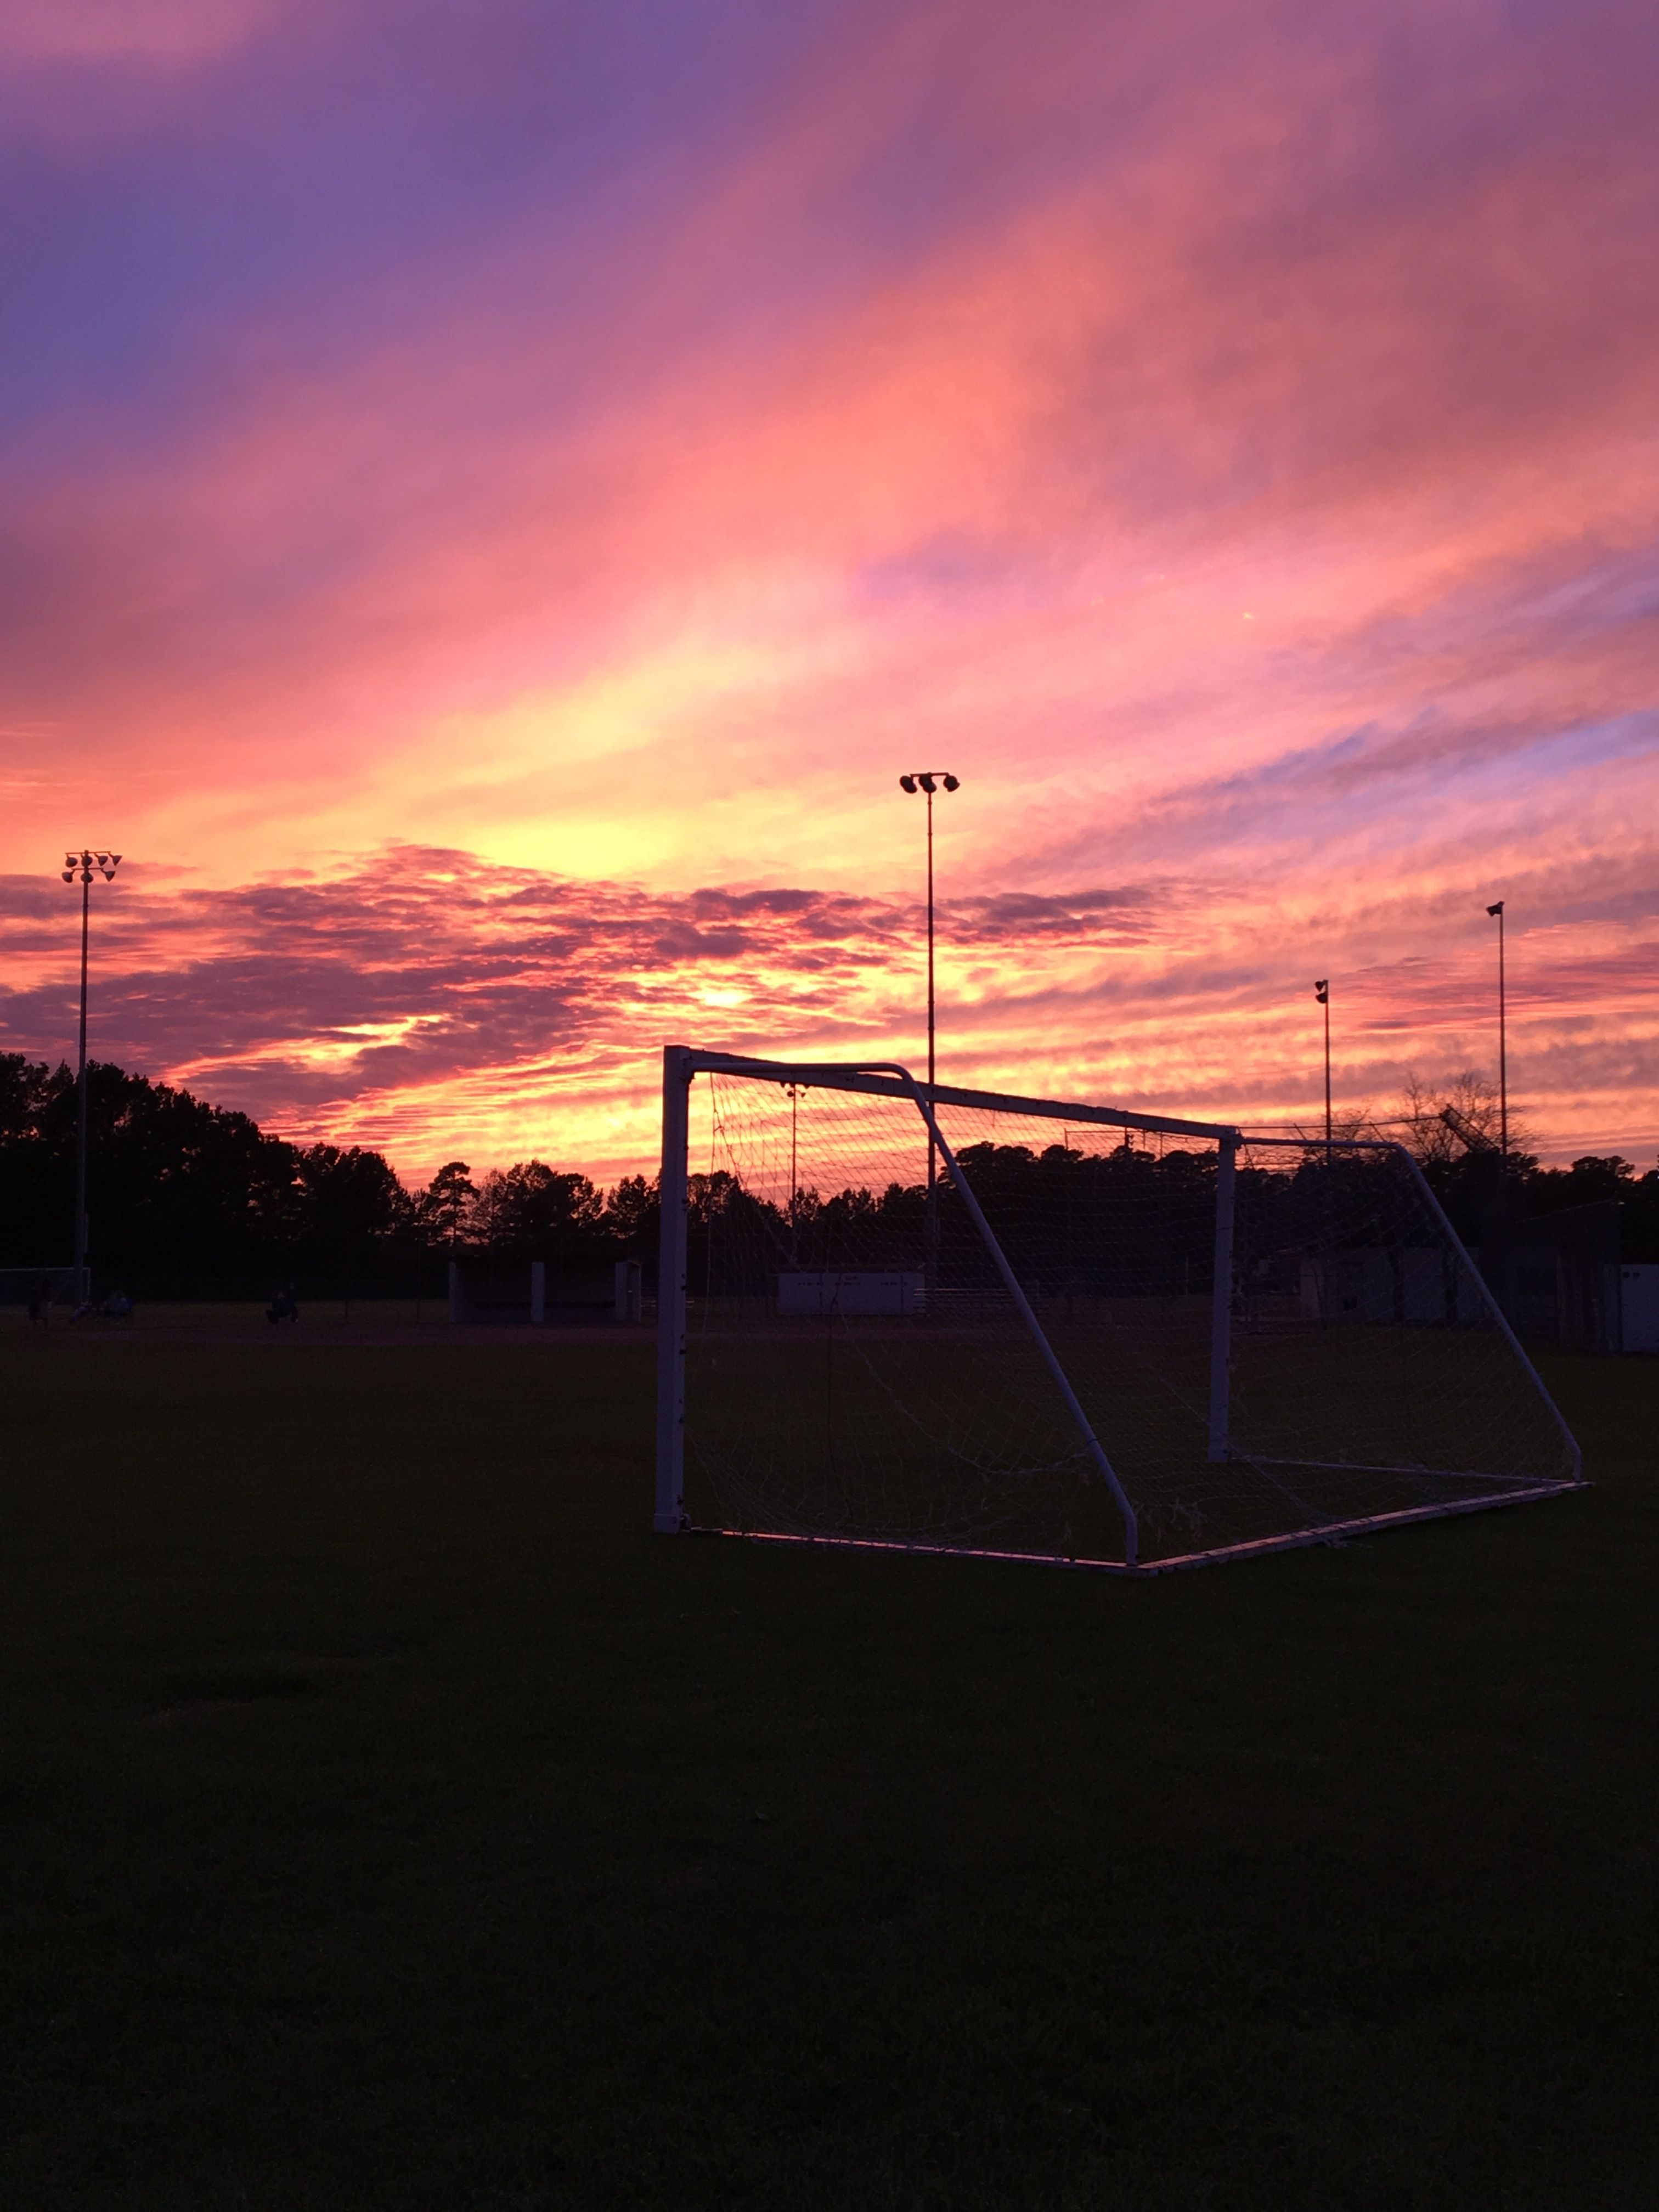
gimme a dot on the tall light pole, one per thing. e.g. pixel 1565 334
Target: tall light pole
pixel 1497 913
pixel 80 865
pixel 928 781
pixel 1323 993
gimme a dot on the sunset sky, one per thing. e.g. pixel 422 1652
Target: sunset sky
pixel 495 493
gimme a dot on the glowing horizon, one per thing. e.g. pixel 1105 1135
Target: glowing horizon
pixel 492 504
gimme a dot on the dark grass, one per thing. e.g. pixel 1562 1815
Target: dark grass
pixel 390 1821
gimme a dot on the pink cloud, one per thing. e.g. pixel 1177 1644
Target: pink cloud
pixel 434 1004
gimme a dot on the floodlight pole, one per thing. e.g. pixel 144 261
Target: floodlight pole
pixel 1323 993
pixel 928 780
pixel 1497 910
pixel 81 865
pixel 932 1058
pixel 81 1104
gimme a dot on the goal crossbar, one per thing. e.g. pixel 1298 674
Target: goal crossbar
pixel 887 1079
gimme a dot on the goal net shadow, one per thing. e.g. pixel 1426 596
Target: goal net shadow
pixel 959 1321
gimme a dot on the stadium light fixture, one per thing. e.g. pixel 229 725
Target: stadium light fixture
pixel 79 867
pixel 1322 994
pixel 1496 912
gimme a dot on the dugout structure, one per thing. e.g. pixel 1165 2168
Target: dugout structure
pixel 926 1318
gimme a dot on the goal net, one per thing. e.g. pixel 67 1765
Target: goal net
pixel 42 1287
pixel 960 1321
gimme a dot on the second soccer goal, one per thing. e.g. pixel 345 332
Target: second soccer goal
pixel 937 1319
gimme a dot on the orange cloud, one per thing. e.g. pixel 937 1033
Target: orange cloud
pixel 434 1006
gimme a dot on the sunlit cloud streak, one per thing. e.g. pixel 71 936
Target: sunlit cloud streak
pixel 437 1005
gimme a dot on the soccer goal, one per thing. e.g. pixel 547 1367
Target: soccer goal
pixel 924 1318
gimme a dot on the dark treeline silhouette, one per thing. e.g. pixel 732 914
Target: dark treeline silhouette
pixel 1477 1188
pixel 1066 1221
pixel 1129 1222
pixel 1123 1222
pixel 182 1193
pixel 1454 1129
pixel 180 1190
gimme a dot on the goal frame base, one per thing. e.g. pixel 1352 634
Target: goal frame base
pixel 1335 1534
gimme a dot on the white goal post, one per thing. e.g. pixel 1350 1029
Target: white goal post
pixel 914 1317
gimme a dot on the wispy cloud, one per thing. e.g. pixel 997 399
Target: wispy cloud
pixel 434 1003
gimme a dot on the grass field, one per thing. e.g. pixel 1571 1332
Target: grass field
pixel 391 1820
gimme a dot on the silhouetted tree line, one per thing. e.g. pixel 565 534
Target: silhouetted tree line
pixel 179 1189
pixel 1066 1220
pixel 1454 1133
pixel 1480 1194
pixel 1129 1222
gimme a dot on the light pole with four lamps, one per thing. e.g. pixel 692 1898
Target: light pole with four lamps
pixel 79 866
